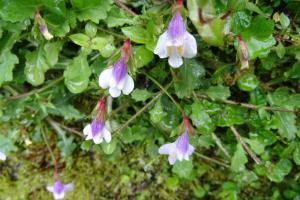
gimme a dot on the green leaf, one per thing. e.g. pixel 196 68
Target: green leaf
pixel 239 159
pixel 36 66
pixel 141 95
pixel 93 10
pixel 240 21
pixel 296 154
pixel 201 119
pixel 280 170
pixel 109 148
pixel 231 115
pixel 134 133
pixel 219 92
pixel 284 20
pixel 52 52
pixel 7 64
pixel 285 123
pixel 66 146
pixel 259 47
pixel 256 145
pixel 137 34
pixel 7 144
pixel 77 74
pixel 117 17
pixel 18 10
pixel 280 50
pixel 69 112
pixel 91 29
pixel 157 113
pixel 80 39
pixel 188 78
pixel 142 56
pixel 183 168
pixel 248 82
pixel 172 182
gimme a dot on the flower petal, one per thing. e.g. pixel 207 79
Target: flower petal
pixel 105 77
pixel 190 46
pixel 175 60
pixel 69 187
pixel 87 129
pixel 50 188
pixel 161 46
pixel 114 92
pixel 167 148
pixel 106 135
pixel 58 196
pixel 190 151
pixel 2 156
pixel 172 160
pixel 98 138
pixel 129 85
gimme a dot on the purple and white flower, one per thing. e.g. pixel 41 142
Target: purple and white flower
pixel 97 131
pixel 59 189
pixel 117 79
pixel 176 42
pixel 44 30
pixel 2 156
pixel 178 150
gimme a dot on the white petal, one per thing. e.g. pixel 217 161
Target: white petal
pixel 161 46
pixel 179 155
pixel 121 83
pixel 175 60
pixel 129 85
pixel 172 160
pixel 105 77
pixel 114 92
pixel 167 148
pixel 50 188
pixel 106 135
pixel 69 187
pixel 98 139
pixel 87 129
pixel 58 196
pixel 2 156
pixel 190 46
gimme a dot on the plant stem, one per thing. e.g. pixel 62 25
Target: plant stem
pixel 37 90
pixel 245 146
pixel 212 160
pixel 245 105
pixel 167 93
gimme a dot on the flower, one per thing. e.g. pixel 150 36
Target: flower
pixel 45 32
pixel 178 150
pixel 176 42
pixel 59 189
pixel 2 156
pixel 97 129
pixel 42 26
pixel 116 77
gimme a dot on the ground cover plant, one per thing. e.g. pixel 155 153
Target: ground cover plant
pixel 149 99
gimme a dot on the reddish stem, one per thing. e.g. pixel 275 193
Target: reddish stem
pixel 179 2
pixel 102 104
pixel 126 50
pixel 227 14
pixel 201 17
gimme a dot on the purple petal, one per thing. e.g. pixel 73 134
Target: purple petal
pixel 58 187
pixel 96 127
pixel 182 143
pixel 176 26
pixel 119 70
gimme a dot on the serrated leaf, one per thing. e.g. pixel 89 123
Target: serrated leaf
pixel 77 74
pixel 141 95
pixel 80 39
pixel 219 92
pixel 183 168
pixel 239 159
pixel 188 78
pixel 36 66
pixel 93 10
pixel 201 119
pixel 7 64
pixel 137 34
pixel 117 17
pixel 66 146
pixel 142 56
pixel 109 148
